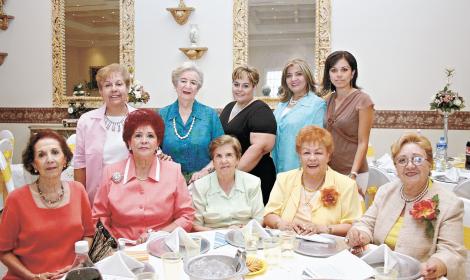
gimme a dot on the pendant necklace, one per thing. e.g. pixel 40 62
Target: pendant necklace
pixel 114 125
pixel 187 134
pixel 47 202
pixel 307 204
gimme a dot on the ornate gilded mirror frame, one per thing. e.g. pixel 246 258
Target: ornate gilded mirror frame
pixel 126 50
pixel 321 44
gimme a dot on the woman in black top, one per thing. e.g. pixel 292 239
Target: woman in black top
pixel 252 122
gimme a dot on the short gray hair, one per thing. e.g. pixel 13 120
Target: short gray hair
pixel 185 67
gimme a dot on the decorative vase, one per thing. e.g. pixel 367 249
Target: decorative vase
pixel 445 120
pixel 136 105
pixel 193 35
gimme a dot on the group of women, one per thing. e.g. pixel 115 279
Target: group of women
pixel 218 173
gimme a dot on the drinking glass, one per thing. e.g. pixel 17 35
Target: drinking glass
pixel 382 274
pixel 172 265
pixel 192 251
pixel 287 243
pixel 272 250
pixel 251 244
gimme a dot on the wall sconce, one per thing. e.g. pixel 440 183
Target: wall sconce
pixel 3 17
pixel 194 52
pixel 2 57
pixel 181 13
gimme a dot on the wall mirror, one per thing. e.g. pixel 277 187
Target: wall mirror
pixel 267 33
pixel 88 34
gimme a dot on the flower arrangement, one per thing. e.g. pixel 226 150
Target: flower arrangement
pixel 329 197
pixel 426 211
pixel 447 100
pixel 137 94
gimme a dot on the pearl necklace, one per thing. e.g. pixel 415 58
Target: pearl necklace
pixel 187 134
pixel 416 198
pixel 293 102
pixel 50 203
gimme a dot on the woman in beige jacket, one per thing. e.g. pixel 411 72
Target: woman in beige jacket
pixel 415 217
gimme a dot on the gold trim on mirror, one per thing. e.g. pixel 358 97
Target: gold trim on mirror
pixel 321 44
pixel 126 49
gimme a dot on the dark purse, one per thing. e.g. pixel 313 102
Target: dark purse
pixel 103 244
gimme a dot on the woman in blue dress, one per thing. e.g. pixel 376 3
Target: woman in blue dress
pixel 189 125
pixel 299 107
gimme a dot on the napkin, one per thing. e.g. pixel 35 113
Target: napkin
pixel 119 265
pixel 343 265
pixel 254 226
pixel 385 162
pixel 179 236
pixel 219 240
pixel 382 253
pixel 316 238
pixel 451 175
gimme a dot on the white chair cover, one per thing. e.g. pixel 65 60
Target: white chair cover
pixel 377 178
pixel 463 189
pixel 6 134
pixel 6 151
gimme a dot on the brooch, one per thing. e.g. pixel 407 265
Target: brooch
pixel 117 177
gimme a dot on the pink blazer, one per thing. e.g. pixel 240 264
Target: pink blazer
pixel 447 242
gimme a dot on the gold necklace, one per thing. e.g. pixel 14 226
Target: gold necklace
pixel 307 200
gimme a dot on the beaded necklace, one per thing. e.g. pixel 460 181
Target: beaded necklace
pixel 187 134
pixel 416 198
pixel 47 202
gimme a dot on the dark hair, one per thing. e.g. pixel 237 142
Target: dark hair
pixel 28 153
pixel 143 117
pixel 330 61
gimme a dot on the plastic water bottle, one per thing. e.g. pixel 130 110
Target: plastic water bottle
pixel 440 159
pixel 81 255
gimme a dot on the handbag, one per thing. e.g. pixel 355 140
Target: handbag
pixel 103 243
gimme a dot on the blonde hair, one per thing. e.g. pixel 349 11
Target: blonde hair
pixel 286 92
pixel 250 72
pixel 223 140
pixel 111 69
pixel 415 138
pixel 185 67
pixel 314 134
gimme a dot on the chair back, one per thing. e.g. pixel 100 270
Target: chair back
pixel 6 134
pixel 6 148
pixel 71 141
pixel 463 189
pixel 377 178
pixel 466 222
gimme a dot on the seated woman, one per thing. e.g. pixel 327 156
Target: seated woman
pixel 227 197
pixel 42 221
pixel 396 215
pixel 313 198
pixel 143 193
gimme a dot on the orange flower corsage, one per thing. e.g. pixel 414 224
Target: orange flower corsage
pixel 426 211
pixel 329 197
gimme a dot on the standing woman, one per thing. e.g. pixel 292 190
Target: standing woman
pixel 252 122
pixel 99 132
pixel 299 107
pixel 190 125
pixel 349 117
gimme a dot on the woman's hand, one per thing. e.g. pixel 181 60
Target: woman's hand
pixel 142 238
pixel 43 276
pixel 283 225
pixel 197 175
pixel 356 238
pixel 163 156
pixel 433 269
pixel 310 228
pixel 60 273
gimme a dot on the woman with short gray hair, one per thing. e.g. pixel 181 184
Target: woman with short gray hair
pixel 190 125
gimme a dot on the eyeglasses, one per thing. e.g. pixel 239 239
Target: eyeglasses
pixel 416 160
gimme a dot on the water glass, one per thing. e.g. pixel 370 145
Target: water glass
pixel 382 274
pixel 172 265
pixel 272 250
pixel 251 244
pixel 287 243
pixel 146 276
pixel 192 251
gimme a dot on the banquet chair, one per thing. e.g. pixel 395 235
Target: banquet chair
pixel 463 189
pixel 6 134
pixel 6 148
pixel 377 178
pixel 466 222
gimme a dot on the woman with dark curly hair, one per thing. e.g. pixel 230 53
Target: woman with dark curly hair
pixel 143 193
pixel 45 218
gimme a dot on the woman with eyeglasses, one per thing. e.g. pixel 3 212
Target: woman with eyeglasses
pixel 190 126
pixel 413 216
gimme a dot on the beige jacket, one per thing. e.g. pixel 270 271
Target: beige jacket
pixel 447 242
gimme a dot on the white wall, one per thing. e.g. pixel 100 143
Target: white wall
pixel 158 38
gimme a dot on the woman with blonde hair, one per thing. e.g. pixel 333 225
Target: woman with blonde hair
pixel 313 198
pixel 300 106
pixel 227 197
pixel 252 122
pixel 415 217
pixel 99 132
